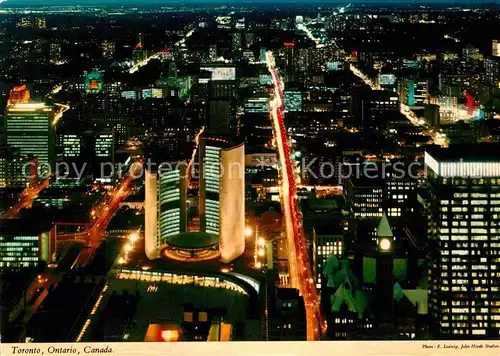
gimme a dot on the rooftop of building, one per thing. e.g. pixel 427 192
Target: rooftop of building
pixel 328 229
pixel 28 107
pixel 374 181
pixel 322 204
pixel 223 141
pixel 193 240
pixel 21 227
pixel 383 94
pixel 482 152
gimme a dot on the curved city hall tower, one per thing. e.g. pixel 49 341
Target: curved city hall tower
pixel 222 193
pixel 165 206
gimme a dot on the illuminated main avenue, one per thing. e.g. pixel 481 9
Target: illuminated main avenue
pixel 300 268
pixel 29 194
pixel 103 215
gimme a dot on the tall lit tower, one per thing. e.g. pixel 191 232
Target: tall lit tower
pixel 108 50
pixel 138 52
pixel 165 205
pixel 222 194
pixel 464 237
pixel 29 132
pixel 289 61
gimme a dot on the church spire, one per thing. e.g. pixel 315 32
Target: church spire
pixel 384 228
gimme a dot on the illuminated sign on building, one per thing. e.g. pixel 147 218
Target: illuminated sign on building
pixel 94 82
pixel 221 73
pixel 386 79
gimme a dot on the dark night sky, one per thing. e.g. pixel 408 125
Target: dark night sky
pixel 166 2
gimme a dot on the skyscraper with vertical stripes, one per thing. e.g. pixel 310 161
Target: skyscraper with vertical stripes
pixel 29 133
pixel 222 193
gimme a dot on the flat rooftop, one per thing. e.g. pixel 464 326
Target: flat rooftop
pixel 23 227
pixel 193 240
pixel 483 152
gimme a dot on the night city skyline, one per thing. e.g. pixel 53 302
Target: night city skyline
pixel 245 171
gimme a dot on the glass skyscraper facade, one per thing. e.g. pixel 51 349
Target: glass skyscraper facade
pixel 23 245
pixel 211 164
pixel 165 206
pixel 172 202
pixel 19 251
pixel 104 145
pixel 464 233
pixel 70 145
pixel 28 128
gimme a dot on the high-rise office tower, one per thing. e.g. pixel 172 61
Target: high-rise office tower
pixel 289 61
pixel 249 39
pixel 29 133
pixel 222 194
pixel 165 205
pixel 237 42
pixel 239 24
pixel 212 52
pixel 304 59
pixel 413 92
pixel 262 54
pixel 104 145
pixel 69 146
pixel 139 53
pixel 491 70
pixel 108 50
pixel 464 234
pixel 55 53
pixel 219 116
pixel 221 106
pixel 365 197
